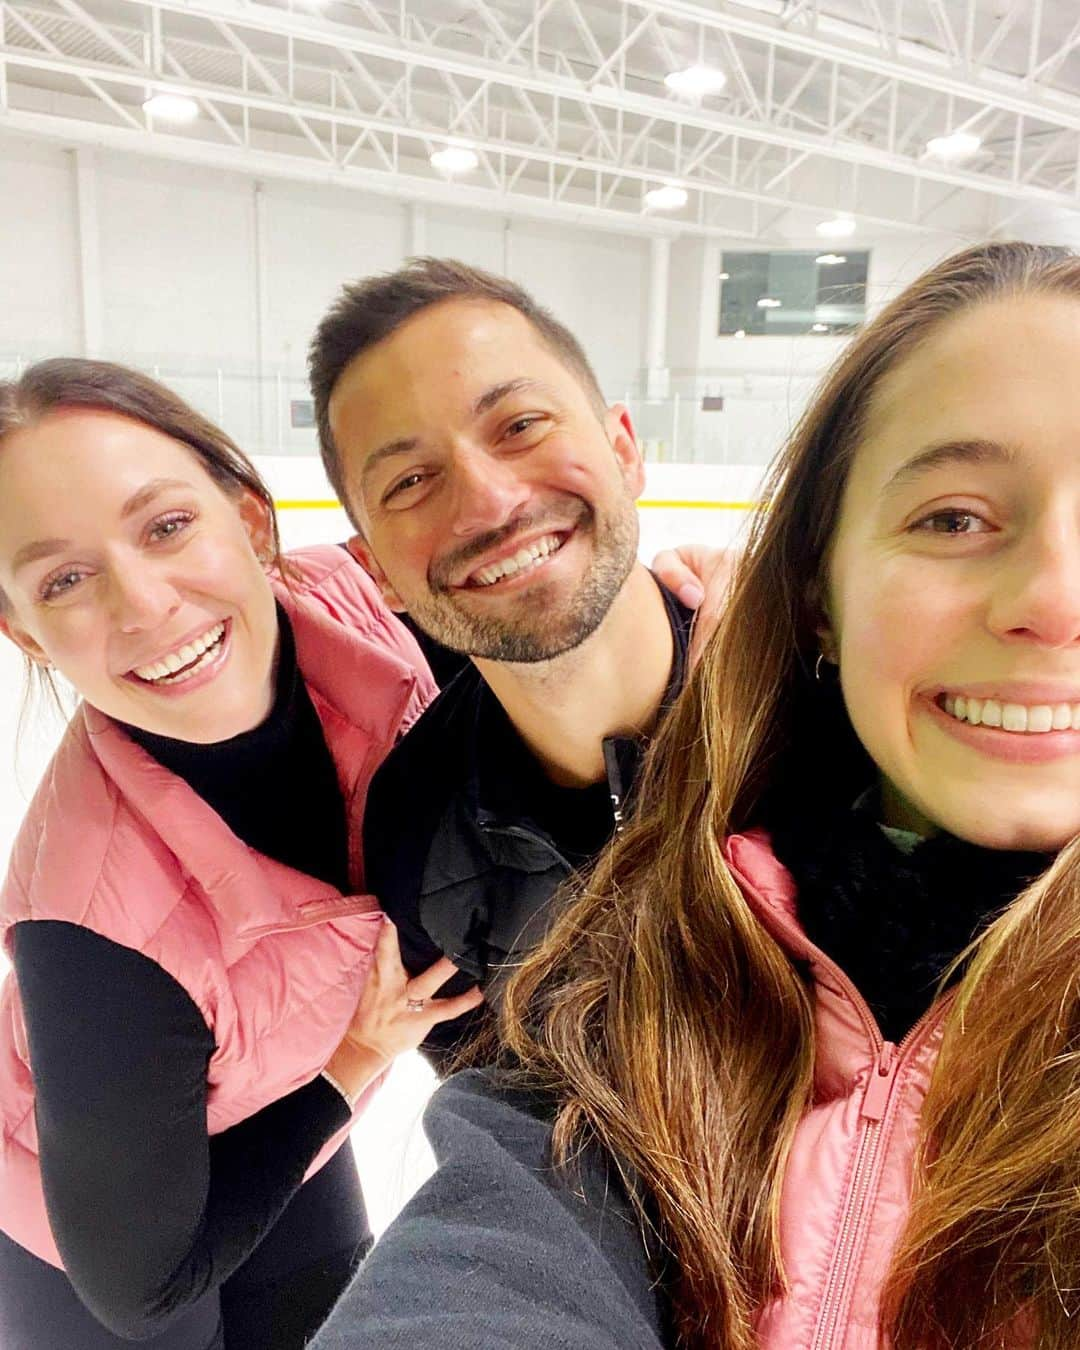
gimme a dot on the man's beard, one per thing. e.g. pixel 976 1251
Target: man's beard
pixel 541 628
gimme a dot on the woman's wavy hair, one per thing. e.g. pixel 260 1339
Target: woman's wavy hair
pixel 676 1034
pixel 77 382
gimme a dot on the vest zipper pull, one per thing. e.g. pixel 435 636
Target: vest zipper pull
pixel 876 1097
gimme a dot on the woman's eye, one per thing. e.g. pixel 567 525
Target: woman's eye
pixel 169 526
pixel 952 522
pixel 58 585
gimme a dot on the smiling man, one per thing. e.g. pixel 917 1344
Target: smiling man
pixel 493 492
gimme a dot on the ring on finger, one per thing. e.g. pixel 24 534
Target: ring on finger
pixel 416 1004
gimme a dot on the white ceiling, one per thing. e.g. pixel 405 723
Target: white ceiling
pixel 828 103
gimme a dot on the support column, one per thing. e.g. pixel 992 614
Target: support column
pixel 507 249
pixel 657 375
pixel 260 298
pixel 88 243
pixel 417 230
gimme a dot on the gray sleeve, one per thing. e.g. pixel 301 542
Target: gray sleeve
pixel 497 1251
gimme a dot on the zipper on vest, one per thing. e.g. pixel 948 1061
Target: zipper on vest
pixel 871 1114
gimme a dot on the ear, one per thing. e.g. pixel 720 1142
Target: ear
pixel 360 550
pixel 255 514
pixel 623 440
pixel 823 624
pixel 25 643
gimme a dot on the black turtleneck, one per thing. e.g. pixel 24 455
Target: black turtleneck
pixel 120 1054
pixel 894 913
pixel 274 786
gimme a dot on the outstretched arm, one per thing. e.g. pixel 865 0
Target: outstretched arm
pixel 497 1250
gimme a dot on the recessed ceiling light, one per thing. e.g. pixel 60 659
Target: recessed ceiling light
pixel 666 198
pixel 819 328
pixel 454 159
pixel 171 107
pixel 696 81
pixel 767 302
pixel 956 146
pixel 830 259
pixel 836 228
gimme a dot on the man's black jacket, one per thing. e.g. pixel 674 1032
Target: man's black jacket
pixel 466 841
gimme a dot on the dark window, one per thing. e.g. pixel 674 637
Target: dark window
pixel 815 292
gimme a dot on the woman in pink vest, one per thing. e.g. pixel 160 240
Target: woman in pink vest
pixel 807 1045
pixel 201 995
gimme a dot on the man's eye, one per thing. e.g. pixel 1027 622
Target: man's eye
pixel 952 522
pixel 409 481
pixel 520 425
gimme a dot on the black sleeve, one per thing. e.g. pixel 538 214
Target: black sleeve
pixel 496 1250
pixel 147 1210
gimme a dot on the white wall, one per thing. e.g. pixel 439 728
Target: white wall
pixel 194 276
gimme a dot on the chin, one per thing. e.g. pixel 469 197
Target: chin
pixel 1028 832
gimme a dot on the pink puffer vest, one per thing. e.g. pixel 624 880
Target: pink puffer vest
pixel 848 1181
pixel 274 959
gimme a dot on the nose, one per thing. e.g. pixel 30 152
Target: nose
pixel 1038 595
pixel 141 596
pixel 487 492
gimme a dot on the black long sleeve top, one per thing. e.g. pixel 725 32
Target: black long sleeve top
pixel 149 1211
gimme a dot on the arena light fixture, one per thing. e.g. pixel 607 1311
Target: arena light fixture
pixel 838 227
pixel 696 81
pixel 171 107
pixel 769 302
pixel 957 146
pixel 819 328
pixel 830 259
pixel 453 159
pixel 670 197
pixel 725 276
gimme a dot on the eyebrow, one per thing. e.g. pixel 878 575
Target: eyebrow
pixel 498 392
pixel 949 452
pixel 407 444
pixel 45 548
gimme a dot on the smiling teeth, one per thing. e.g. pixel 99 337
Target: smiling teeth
pixel 185 662
pixel 1030 719
pixel 518 562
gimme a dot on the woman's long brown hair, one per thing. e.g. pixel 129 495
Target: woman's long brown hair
pixel 676 1034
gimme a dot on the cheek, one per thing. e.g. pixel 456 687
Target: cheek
pixel 896 633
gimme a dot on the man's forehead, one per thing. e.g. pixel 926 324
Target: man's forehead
pixel 456 352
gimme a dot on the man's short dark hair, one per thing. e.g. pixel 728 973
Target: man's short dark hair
pixel 369 310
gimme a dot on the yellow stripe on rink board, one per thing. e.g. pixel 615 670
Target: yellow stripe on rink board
pixel 329 504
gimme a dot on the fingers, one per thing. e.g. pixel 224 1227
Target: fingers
pixel 445 1009
pixel 387 952
pixel 430 981
pixel 671 567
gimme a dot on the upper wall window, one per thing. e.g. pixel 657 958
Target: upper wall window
pixel 780 294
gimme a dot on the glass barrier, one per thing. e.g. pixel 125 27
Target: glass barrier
pixel 274 415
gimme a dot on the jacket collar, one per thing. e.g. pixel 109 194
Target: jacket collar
pixel 498 769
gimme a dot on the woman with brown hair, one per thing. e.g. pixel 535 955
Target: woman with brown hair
pixel 799 1066
pixel 201 996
